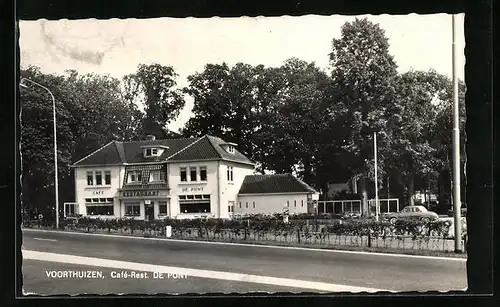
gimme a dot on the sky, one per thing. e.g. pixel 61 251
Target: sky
pixel 117 46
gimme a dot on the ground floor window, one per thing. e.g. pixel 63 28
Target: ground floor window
pixel 230 206
pixel 100 209
pixel 70 209
pixel 194 203
pixel 132 209
pixel 162 207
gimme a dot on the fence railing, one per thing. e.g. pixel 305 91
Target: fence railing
pixel 354 205
pixel 385 205
pixel 339 206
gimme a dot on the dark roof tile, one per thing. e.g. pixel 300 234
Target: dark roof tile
pixel 185 149
pixel 278 183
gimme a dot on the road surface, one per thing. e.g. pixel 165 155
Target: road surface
pixel 198 267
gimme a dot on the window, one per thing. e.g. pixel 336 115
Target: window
pixel 230 149
pixel 132 209
pixel 90 178
pixel 98 178
pixel 198 197
pixel 183 174
pixel 302 203
pixel 229 173
pixel 230 206
pixel 246 205
pixel 101 210
pixel 192 173
pixel 134 176
pixel 99 206
pixel 288 203
pixel 254 204
pixel 192 205
pixel 295 204
pixel 162 207
pixel 182 197
pixel 107 177
pixel 151 152
pixel 240 204
pixel 203 173
pixel 70 209
pixel 157 176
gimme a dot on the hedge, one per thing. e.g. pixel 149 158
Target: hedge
pixel 270 224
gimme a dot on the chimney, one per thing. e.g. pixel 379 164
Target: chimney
pixel 150 137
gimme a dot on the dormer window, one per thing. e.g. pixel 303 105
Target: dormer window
pixel 229 147
pixel 151 152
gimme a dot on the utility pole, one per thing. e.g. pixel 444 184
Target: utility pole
pixel 376 177
pixel 56 181
pixel 456 146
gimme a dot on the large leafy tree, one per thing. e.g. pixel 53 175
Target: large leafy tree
pixel 412 156
pixel 154 87
pixel 297 118
pixel 364 75
pixel 224 104
pixel 37 140
pixel 90 113
pixel 211 105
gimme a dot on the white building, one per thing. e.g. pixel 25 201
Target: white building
pixel 268 194
pixel 181 178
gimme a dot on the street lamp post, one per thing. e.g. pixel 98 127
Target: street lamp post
pixel 376 175
pixel 456 146
pixel 56 182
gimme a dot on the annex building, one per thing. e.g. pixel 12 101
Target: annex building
pixel 180 178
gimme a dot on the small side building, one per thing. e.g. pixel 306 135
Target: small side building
pixel 268 194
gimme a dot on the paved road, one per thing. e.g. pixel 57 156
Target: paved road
pixel 276 266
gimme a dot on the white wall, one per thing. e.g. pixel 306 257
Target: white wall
pixel 271 203
pixel 83 191
pixel 229 190
pixel 177 187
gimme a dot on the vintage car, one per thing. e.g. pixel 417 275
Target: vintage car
pixel 412 213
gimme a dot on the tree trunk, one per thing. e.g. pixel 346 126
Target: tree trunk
pixel 411 190
pixel 364 196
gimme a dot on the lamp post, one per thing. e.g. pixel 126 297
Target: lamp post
pixel 56 182
pixel 456 146
pixel 376 175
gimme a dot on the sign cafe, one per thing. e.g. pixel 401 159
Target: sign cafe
pixel 139 193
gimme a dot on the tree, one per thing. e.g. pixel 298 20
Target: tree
pixel 297 118
pixel 411 122
pixel 153 86
pixel 363 74
pixel 224 104
pixel 210 102
pixel 37 141
pixel 90 113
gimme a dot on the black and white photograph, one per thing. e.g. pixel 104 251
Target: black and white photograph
pixel 314 153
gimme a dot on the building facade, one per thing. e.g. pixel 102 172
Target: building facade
pixel 178 178
pixel 269 194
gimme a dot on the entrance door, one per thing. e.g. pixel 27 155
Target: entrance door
pixel 150 212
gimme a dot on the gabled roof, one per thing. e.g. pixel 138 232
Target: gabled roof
pixel 271 184
pixel 185 149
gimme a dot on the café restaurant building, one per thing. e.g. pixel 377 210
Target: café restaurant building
pixel 158 178
pixel 178 178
